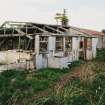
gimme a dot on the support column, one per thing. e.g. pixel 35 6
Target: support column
pixel 36 44
pixel 64 42
pixel 36 51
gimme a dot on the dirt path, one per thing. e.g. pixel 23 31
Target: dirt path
pixel 83 71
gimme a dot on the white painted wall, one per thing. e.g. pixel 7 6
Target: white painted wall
pixel 51 45
pixel 57 59
pixel 53 62
pixel 59 62
pixel 75 48
pixel 103 41
pixel 100 43
pixel 41 62
pixel 3 57
pixel 51 41
pixel 94 46
pixel 37 44
pixel 89 55
pixel 12 56
pixel 92 53
pixel 65 61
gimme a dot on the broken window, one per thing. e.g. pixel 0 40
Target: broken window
pixel 43 43
pixel 68 43
pixel 89 43
pixel 59 43
pixel 81 45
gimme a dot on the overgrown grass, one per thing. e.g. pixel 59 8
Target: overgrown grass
pixel 75 64
pixel 101 55
pixel 16 85
pixel 20 87
pixel 78 93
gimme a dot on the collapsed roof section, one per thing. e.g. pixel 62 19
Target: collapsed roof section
pixel 9 28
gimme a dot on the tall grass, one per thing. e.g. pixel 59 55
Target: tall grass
pixel 77 92
pixel 19 86
pixel 101 55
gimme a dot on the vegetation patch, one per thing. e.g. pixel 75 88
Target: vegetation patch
pixel 20 88
pixel 101 55
pixel 75 64
pixel 15 86
pixel 78 93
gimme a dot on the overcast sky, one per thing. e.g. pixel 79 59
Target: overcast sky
pixel 82 13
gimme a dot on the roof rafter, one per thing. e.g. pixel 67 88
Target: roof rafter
pixel 41 29
pixel 63 28
pixel 54 29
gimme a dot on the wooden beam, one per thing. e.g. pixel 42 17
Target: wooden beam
pixel 20 32
pixel 8 35
pixel 4 24
pixel 63 28
pixel 2 42
pixel 28 36
pixel 40 29
pixel 53 29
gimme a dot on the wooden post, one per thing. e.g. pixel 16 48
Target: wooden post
pixel 34 56
pixel 85 47
pixel 64 43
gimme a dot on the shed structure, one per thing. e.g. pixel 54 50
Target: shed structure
pixel 36 46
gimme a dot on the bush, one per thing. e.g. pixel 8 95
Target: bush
pixel 75 64
pixel 101 55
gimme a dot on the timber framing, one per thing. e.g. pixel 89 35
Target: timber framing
pixel 21 35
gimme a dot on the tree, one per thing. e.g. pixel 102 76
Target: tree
pixel 103 31
pixel 62 18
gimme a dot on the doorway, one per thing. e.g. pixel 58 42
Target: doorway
pixel 82 49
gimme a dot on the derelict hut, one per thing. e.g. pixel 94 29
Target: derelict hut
pixel 44 45
pixel 47 45
pixel 89 41
pixel 103 38
pixel 53 47
pixel 16 45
